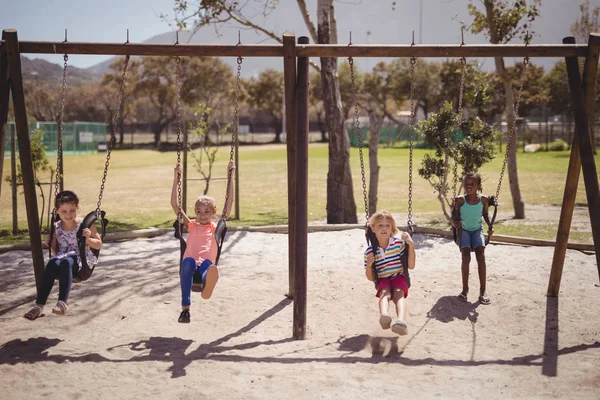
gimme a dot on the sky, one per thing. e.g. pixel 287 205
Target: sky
pixel 371 21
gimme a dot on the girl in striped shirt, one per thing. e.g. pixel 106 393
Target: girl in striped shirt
pixel 389 269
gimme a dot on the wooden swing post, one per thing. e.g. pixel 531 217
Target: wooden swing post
pixel 301 197
pixel 4 99
pixel 18 97
pixel 583 98
pixel 289 76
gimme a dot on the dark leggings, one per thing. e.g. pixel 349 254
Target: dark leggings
pixel 63 269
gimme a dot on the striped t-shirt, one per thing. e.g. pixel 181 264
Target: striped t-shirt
pixel 388 262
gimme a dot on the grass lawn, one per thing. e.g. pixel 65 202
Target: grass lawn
pixel 138 187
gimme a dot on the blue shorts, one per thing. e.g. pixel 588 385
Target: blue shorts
pixel 472 239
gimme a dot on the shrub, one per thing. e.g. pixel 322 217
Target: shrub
pixel 558 145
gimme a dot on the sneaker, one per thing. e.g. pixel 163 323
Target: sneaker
pixel 184 317
pixel 400 328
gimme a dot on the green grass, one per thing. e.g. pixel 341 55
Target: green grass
pixel 137 190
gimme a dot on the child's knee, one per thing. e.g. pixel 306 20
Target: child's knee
pixel 466 255
pixel 398 294
pixel 188 265
pixel 384 294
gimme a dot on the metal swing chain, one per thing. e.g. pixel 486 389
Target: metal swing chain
pixel 512 131
pixel 359 136
pixel 461 92
pixel 178 108
pixel 234 133
pixel 113 138
pixel 59 135
pixel 413 62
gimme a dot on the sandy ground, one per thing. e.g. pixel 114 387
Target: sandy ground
pixel 121 339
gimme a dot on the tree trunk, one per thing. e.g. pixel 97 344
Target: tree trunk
pixel 277 126
pixel 375 122
pixel 513 177
pixel 341 207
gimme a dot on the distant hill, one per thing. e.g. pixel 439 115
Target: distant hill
pixel 41 70
pixel 371 24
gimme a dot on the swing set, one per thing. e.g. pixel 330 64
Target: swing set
pixel 296 65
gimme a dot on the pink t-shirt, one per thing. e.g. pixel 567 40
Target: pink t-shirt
pixel 201 242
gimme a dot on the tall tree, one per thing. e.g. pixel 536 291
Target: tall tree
pixel 111 83
pixel 501 21
pixel 341 207
pixel 588 22
pixel 265 93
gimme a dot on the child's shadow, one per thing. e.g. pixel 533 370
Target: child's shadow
pixel 449 308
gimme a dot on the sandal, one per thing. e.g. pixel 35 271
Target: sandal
pixel 184 317
pixel 485 300
pixel 34 313
pixel 385 321
pixel 60 308
pixel 463 297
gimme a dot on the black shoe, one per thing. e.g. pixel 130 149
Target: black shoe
pixel 184 317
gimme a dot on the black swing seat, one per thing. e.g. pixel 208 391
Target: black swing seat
pixel 374 244
pixel 85 271
pixel 220 231
pixel 457 232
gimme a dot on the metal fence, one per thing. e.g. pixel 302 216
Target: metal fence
pixel 78 137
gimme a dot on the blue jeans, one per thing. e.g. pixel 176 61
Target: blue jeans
pixel 472 239
pixel 63 269
pixel 189 268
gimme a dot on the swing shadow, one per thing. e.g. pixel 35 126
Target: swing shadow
pixel 229 243
pixel 172 349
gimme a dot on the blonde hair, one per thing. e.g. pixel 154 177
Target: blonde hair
pixel 208 201
pixel 382 216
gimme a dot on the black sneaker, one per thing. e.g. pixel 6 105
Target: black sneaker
pixel 184 317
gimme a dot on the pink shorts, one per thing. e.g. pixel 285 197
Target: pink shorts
pixel 397 281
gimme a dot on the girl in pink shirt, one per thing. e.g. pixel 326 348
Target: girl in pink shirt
pixel 201 251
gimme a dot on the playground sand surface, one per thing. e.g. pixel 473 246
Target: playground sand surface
pixel 121 340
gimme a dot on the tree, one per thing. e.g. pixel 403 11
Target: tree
pixel 109 95
pixel 341 207
pixel 266 94
pixel 316 103
pixel 501 22
pixel 474 150
pixel 207 150
pixel 376 90
pixel 427 85
pixel 41 101
pixel 589 21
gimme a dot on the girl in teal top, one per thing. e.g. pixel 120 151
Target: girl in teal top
pixel 466 216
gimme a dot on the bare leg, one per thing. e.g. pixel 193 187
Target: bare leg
pixel 481 269
pixel 464 268
pixel 399 326
pixel 400 303
pixel 384 309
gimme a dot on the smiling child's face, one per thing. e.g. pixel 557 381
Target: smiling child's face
pixel 204 213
